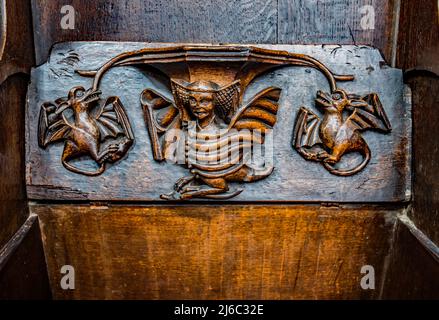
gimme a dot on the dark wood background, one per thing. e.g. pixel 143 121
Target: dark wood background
pixel 22 263
pixel 217 21
pixel 406 32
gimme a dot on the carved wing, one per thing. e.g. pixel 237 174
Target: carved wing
pixel 306 129
pixel 51 124
pixel 368 113
pixel 306 133
pixel 112 120
pixel 161 115
pixel 260 113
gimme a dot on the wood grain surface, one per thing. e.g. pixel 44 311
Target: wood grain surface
pixel 138 177
pixel 338 22
pixel 418 53
pixel 425 212
pixel 413 271
pixel 16 59
pixel 220 21
pixel 23 272
pixel 245 21
pixel 16 38
pixel 13 211
pixel 418 36
pixel 214 251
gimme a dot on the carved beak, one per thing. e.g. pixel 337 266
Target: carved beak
pixel 91 96
pixel 323 99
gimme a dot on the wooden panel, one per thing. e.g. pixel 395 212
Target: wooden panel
pixel 138 177
pixel 16 58
pixel 418 51
pixel 23 273
pixel 414 265
pixel 336 22
pixel 162 21
pixel 215 252
pixel 418 38
pixel 12 190
pixel 22 266
pixel 262 21
pixel 425 212
pixel 232 251
pixel 16 23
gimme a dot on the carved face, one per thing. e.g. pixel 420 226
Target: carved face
pixel 202 105
pixel 338 101
pixel 79 99
pixel 332 102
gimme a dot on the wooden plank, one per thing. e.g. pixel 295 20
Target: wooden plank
pixel 337 22
pixel 418 37
pixel 138 177
pixel 16 59
pixel 23 273
pixel 425 213
pixel 215 252
pixel 13 210
pixel 258 21
pixel 413 271
pixel 161 21
pixel 418 52
pixel 16 23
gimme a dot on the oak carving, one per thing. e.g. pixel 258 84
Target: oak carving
pixel 327 140
pixel 223 133
pixel 206 127
pixel 101 132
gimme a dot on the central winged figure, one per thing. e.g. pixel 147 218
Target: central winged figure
pixel 206 126
pixel 205 129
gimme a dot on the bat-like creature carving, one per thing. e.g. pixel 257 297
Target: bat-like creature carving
pixel 216 135
pixel 345 116
pixel 101 132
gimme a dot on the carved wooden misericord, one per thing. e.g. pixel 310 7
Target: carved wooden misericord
pixel 205 125
pixel 337 133
pixel 86 132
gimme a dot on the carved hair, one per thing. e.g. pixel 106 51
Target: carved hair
pixel 226 98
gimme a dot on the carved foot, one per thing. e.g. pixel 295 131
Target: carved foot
pixel 180 183
pixel 200 192
pixel 171 196
pixel 107 153
pixel 322 155
pixel 331 159
pixel 123 147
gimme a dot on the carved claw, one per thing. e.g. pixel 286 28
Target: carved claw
pixel 323 155
pixel 331 159
pixel 190 188
pixel 107 153
pixel 180 183
pixel 171 196
pixel 122 148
